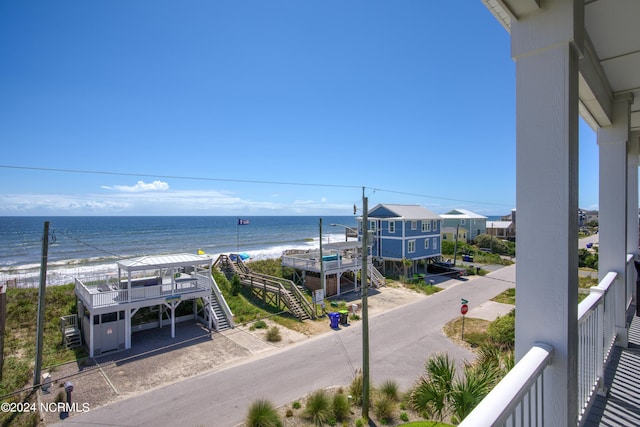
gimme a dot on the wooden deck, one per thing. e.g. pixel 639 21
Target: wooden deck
pixel 621 406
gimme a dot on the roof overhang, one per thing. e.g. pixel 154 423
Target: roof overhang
pixel 610 63
pixel 164 261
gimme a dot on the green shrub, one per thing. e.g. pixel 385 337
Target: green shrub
pixel 502 330
pixel 587 259
pixel 262 413
pixel 260 324
pixel 359 422
pixel 236 286
pixel 390 389
pixel 273 334
pixel 296 405
pixel 318 408
pixel 341 407
pixel 404 417
pixel 355 389
pixel 384 408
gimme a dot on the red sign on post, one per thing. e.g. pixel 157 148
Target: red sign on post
pixel 464 308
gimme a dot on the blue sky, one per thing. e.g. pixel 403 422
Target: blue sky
pixel 258 108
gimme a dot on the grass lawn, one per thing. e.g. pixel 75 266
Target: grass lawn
pixel 507 297
pixel 475 331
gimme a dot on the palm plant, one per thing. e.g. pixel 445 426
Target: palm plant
pixel 406 263
pixel 467 392
pixel 431 395
pixel 262 413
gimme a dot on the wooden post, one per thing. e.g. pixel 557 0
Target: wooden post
pixel 41 300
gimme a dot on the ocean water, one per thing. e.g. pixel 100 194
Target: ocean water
pixel 90 246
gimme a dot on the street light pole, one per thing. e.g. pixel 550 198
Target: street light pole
pixel 365 309
pixel 347 229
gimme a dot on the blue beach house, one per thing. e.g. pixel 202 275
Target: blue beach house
pixel 402 232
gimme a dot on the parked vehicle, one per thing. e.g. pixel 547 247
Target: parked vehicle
pixel 446 268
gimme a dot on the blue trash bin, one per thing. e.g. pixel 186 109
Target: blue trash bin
pixel 334 318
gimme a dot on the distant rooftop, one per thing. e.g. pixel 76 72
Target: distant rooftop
pixel 405 212
pixel 462 213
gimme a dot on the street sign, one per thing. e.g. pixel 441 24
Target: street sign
pixel 464 308
pixel 464 301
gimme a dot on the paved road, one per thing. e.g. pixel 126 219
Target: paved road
pixel 400 342
pixel 593 238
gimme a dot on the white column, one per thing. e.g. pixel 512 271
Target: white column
pixel 127 329
pixel 128 315
pixel 632 190
pixel 612 216
pixel 91 334
pixel 633 237
pixel 546 55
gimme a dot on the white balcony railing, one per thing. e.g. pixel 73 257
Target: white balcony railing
pixel 102 294
pixel 518 399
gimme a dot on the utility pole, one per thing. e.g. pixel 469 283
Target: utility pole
pixel 455 247
pixel 365 309
pixel 41 298
pixel 3 317
pixel 322 278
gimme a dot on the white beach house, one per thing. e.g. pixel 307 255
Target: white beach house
pixel 107 307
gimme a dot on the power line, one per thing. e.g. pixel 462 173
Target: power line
pixel 90 245
pixel 192 178
pixel 438 197
pixel 245 181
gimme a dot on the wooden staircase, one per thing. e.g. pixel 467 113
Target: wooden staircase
pixel 71 337
pixel 270 289
pixel 222 321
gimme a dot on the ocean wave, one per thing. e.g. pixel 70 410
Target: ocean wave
pixel 96 253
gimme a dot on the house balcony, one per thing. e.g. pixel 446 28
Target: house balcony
pixel 608 371
pixel 101 294
pixel 576 363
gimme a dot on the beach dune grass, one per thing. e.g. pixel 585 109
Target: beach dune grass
pixel 20 341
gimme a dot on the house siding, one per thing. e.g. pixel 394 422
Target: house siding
pixel 474 224
pixel 393 242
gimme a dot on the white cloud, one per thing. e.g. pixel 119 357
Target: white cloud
pixel 167 202
pixel 140 186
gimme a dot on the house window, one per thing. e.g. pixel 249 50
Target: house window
pixel 412 246
pixel 426 243
pixel 435 225
pixel 462 222
pixel 392 226
pixel 414 224
pixel 435 243
pixel 372 225
pixel 109 317
pixel 426 226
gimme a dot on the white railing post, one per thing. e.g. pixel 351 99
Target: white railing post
pixel 513 399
